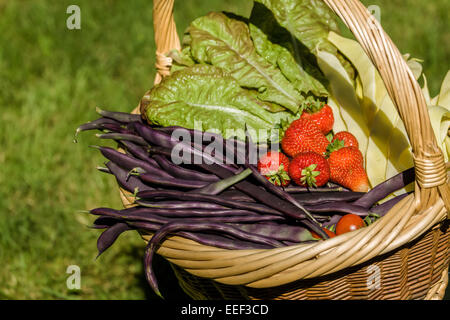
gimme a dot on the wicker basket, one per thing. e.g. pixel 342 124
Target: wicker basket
pixel 404 255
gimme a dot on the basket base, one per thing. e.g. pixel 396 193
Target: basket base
pixel 415 271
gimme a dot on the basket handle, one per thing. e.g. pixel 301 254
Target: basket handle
pixel 400 83
pixel 166 36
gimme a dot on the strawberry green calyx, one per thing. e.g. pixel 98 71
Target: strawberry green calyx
pixel 309 175
pixel 334 146
pixel 313 106
pixel 279 177
pixel 283 124
pixel 330 136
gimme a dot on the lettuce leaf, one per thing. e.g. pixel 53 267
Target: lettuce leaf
pixel 207 98
pixel 225 42
pixel 444 96
pixel 439 110
pixel 307 23
pixel 281 57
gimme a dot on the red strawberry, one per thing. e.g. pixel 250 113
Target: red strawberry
pixel 274 166
pixel 346 157
pixel 354 179
pixel 309 169
pixel 348 139
pixel 321 114
pixel 301 136
pixel 347 169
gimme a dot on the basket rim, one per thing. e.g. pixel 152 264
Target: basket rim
pixel 320 258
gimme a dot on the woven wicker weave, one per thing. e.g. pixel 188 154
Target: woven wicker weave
pixel 408 248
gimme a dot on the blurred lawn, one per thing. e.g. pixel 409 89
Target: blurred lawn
pixel 51 80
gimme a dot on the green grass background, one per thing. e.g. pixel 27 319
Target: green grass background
pixel 51 80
